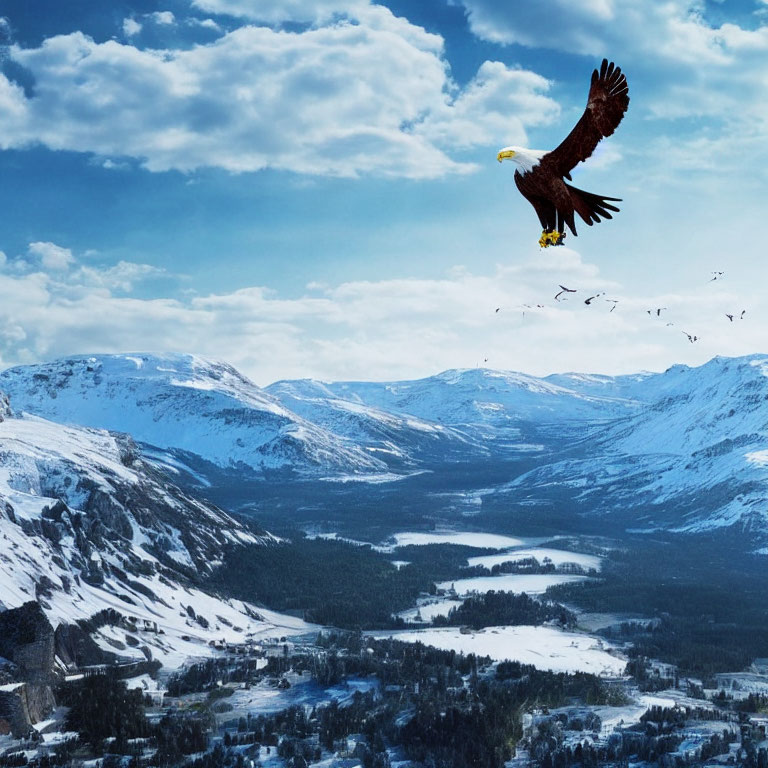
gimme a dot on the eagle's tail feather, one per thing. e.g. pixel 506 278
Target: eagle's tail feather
pixel 591 207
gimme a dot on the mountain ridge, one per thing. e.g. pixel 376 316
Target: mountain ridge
pixel 687 447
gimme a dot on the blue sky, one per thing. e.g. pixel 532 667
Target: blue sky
pixel 309 187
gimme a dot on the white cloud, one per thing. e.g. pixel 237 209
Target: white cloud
pixel 204 23
pixel 51 256
pixel 366 96
pixel 131 27
pixel 673 30
pixel 397 328
pixel 123 276
pixel 697 68
pixel 509 100
pixel 278 11
pixel 165 18
pixel 3 259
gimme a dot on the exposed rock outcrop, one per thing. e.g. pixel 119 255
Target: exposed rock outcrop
pixel 5 407
pixel 27 639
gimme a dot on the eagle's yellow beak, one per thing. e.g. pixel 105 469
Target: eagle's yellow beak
pixel 504 154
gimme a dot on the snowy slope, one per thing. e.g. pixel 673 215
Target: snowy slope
pixel 480 396
pixel 392 435
pixel 684 449
pixel 185 404
pixel 694 458
pixel 87 525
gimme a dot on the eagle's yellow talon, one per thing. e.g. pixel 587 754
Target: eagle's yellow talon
pixel 551 238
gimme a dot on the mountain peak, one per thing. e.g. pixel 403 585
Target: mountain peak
pixel 183 403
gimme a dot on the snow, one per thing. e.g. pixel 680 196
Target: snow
pixel 266 699
pixel 531 584
pixel 356 542
pixel 557 556
pixel 41 462
pixel 429 609
pixel 371 479
pixel 473 397
pixel 543 647
pixel 702 429
pixel 416 538
pixel 760 458
pixel 182 403
pixel 466 538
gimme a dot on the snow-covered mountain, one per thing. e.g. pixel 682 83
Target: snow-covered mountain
pixel 684 449
pixel 479 396
pixel 695 457
pixel 184 405
pixel 398 437
pixel 88 526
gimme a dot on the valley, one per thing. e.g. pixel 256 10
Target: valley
pixel 321 572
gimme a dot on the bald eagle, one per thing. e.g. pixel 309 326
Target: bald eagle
pixel 540 174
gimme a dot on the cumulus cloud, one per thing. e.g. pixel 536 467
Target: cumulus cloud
pixel 509 99
pixel 131 27
pixel 123 276
pixel 55 267
pixel 165 18
pixel 385 329
pixel 369 95
pixel 698 68
pixel 50 256
pixel 279 11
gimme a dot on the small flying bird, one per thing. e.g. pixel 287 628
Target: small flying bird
pixel 614 302
pixel 716 276
pixel 540 174
pixel 592 298
pixel 564 290
pixel 668 324
pixel 659 310
pixel 691 338
pixel 743 312
pixel 730 317
pixel 497 310
pixel 530 306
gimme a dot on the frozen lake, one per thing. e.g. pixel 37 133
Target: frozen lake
pixel 543 647
pixel 467 538
pixel 557 556
pixel 530 583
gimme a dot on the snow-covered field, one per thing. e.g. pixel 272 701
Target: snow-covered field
pixel 631 713
pixel 530 583
pixel 543 647
pixel 429 610
pixel 265 698
pixel 356 542
pixel 592 622
pixel 557 556
pixel 466 538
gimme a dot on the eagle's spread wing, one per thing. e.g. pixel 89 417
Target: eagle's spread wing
pixel 606 104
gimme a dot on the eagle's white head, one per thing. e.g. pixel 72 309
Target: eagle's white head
pixel 526 159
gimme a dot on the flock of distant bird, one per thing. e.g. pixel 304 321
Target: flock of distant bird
pixel 655 311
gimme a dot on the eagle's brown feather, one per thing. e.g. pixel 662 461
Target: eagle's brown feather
pixel 556 202
pixel 606 104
